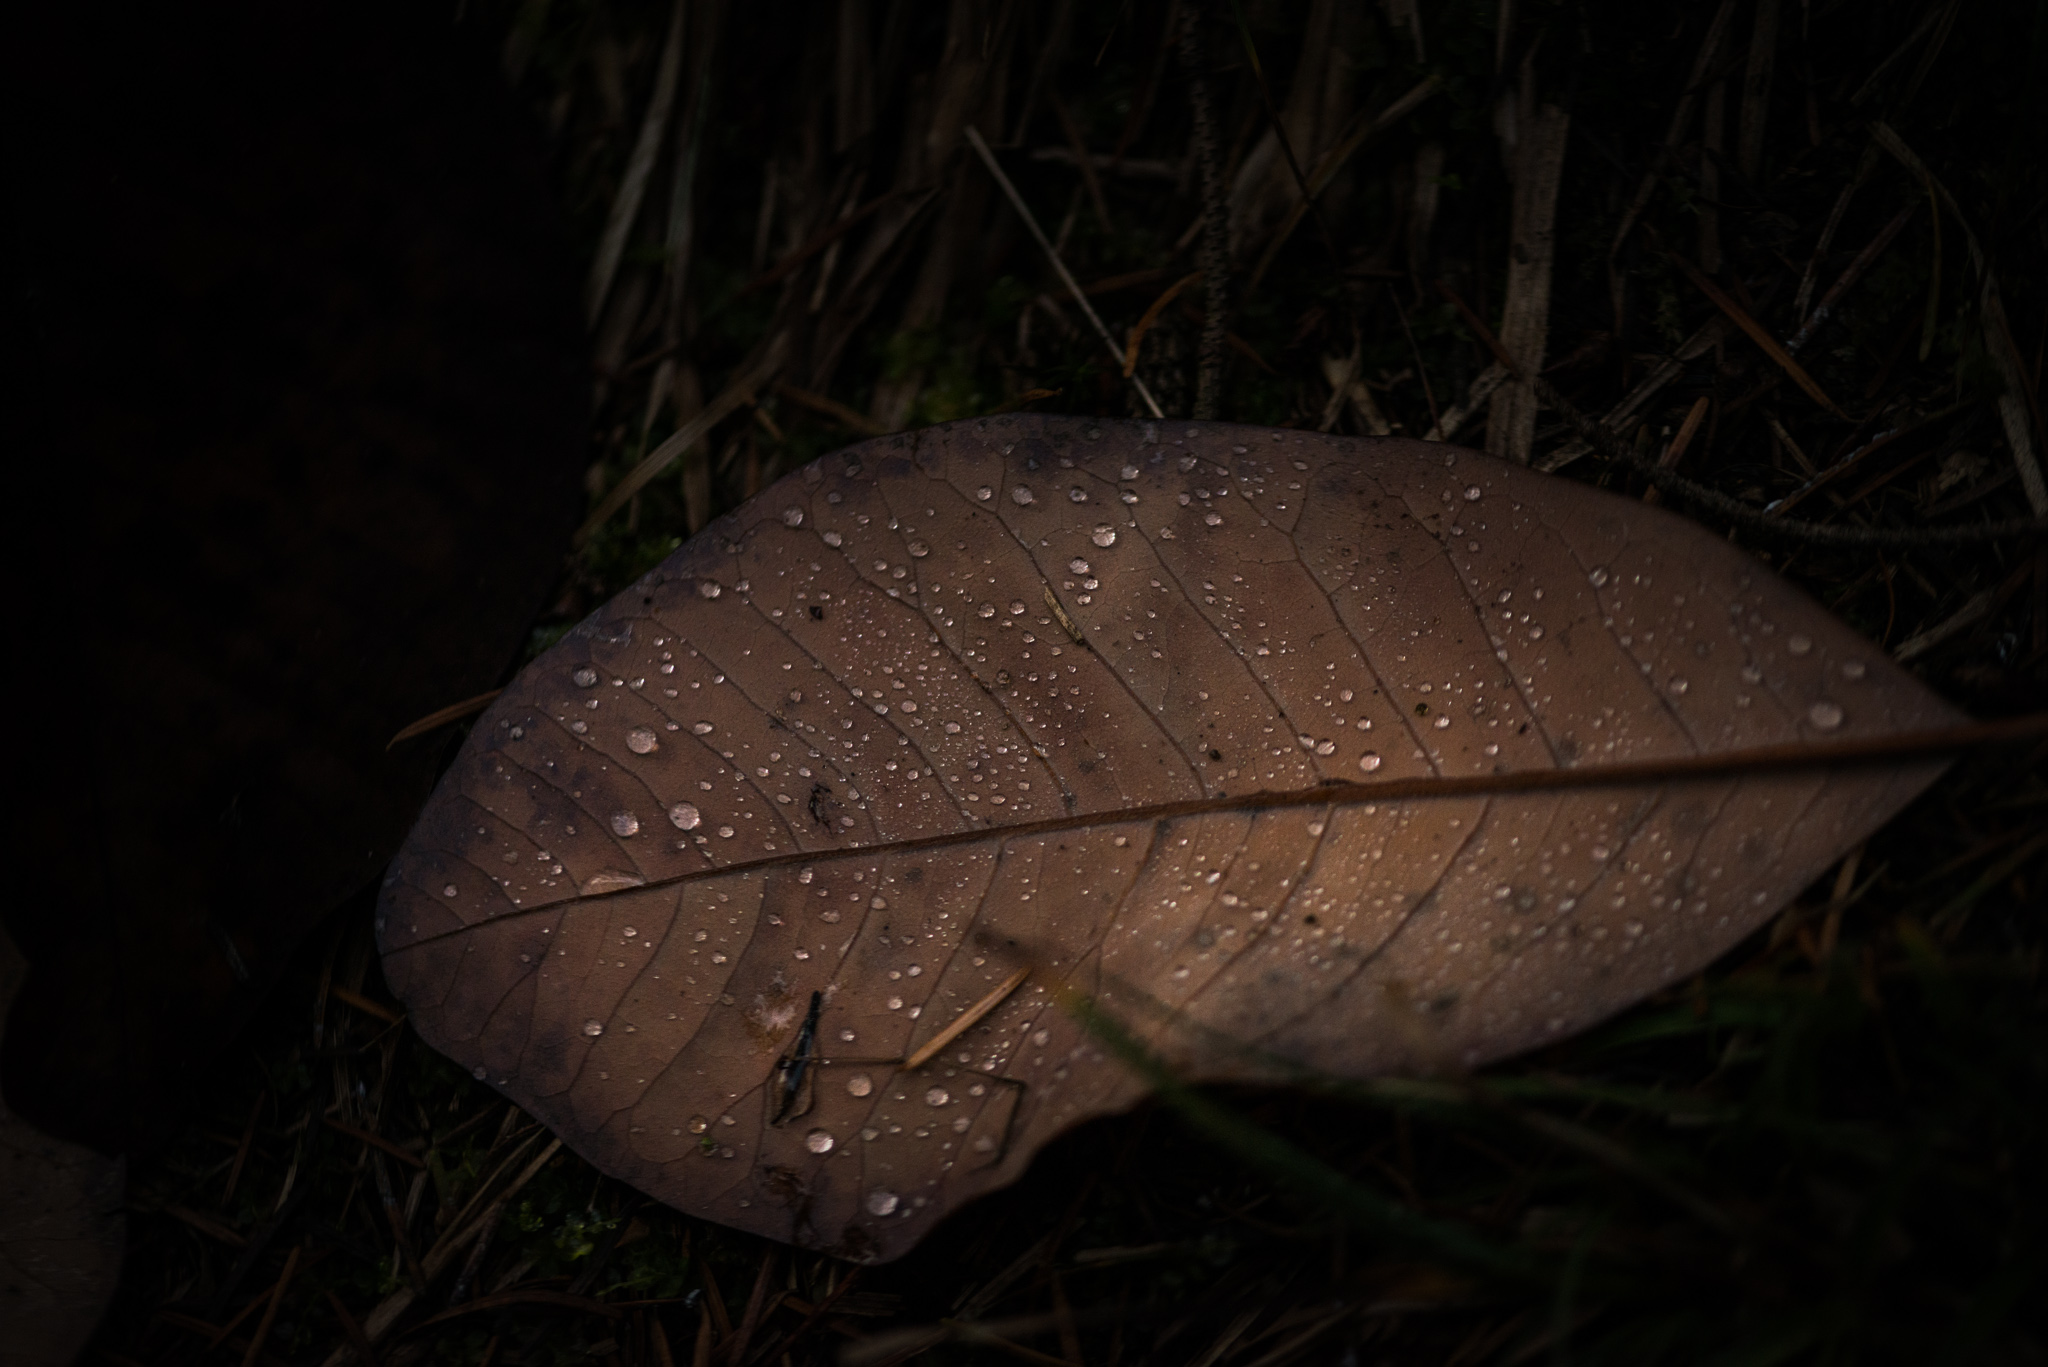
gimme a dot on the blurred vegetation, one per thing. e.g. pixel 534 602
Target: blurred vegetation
pixel 1826 1149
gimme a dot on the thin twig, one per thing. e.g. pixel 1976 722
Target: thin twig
pixel 988 159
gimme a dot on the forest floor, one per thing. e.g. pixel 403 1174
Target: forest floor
pixel 1793 254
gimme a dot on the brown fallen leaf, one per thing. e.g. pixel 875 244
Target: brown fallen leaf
pixel 815 788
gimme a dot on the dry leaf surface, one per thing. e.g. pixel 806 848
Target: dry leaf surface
pixel 959 703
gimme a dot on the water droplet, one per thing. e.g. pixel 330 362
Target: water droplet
pixel 937 1096
pixel 987 610
pixel 593 1028
pixel 1017 609
pixel 449 891
pixel 684 816
pixel 1326 747
pixel 1471 493
pixel 477 1072
pixel 1213 519
pixel 1853 669
pixel 1598 577
pixel 1020 496
pixel 1078 565
pixel 1369 761
pixel 1678 687
pixel 1798 645
pixel 792 517
pixel 709 588
pixel 699 1124
pixel 625 824
pixel 641 740
pixel 1751 674
pixel 725 832
pixel 883 1202
pixel 919 550
pixel 1104 536
pixel 579 726
pixel 833 539
pixel 585 677
pixel 1825 715
pixel 860 1084
pixel 819 1141
pixel 1535 631
pixel 1442 722
pixel 895 1003
pixel 1077 495
pixel 702 728
pixel 612 880
pixel 1130 472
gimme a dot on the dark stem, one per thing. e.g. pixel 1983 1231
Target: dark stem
pixel 1215 254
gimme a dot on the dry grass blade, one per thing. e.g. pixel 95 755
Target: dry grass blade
pixel 1074 289
pixel 1333 161
pixel 357 1132
pixel 1683 438
pixel 1681 115
pixel 738 393
pixel 456 711
pixel 2012 404
pixel 263 1326
pixel 1525 317
pixel 1757 333
pixel 1455 417
pixel 831 408
pixel 639 169
pixel 1850 275
pixel 532 1296
pixel 386 1315
pixel 1151 316
pixel 966 1021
